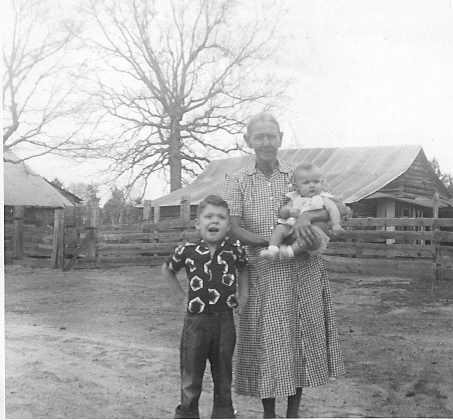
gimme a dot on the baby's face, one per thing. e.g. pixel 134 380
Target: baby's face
pixel 308 183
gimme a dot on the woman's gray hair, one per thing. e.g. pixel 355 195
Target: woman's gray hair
pixel 261 117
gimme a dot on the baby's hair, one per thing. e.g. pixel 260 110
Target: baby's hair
pixel 213 200
pixel 261 117
pixel 306 166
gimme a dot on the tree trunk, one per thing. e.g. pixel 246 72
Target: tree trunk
pixel 175 157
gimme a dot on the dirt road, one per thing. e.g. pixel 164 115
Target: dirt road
pixel 104 344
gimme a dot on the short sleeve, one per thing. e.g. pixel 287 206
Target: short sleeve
pixel 177 259
pixel 233 195
pixel 241 255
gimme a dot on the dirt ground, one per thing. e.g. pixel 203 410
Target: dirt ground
pixel 104 344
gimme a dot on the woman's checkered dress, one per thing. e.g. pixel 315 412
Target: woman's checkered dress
pixel 287 334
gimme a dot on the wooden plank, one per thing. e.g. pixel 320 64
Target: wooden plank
pixel 147 211
pixel 8 229
pixel 18 236
pixel 417 269
pixel 446 250
pixel 57 255
pixel 436 240
pixel 148 260
pixel 102 247
pixel 397 221
pixel 379 250
pixel 184 212
pixel 128 237
pixel 366 235
pixel 173 223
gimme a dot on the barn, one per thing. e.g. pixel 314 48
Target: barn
pixel 29 204
pixel 381 181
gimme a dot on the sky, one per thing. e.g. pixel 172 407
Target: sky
pixel 365 73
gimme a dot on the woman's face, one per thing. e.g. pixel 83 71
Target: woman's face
pixel 265 139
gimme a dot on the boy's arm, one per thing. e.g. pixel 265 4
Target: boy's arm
pixel 243 288
pixel 245 236
pixel 177 292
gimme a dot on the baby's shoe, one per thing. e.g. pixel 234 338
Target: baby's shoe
pixel 270 253
pixel 286 251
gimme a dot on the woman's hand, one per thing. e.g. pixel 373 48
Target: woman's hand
pixel 305 235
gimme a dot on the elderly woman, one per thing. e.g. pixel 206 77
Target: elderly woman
pixel 287 333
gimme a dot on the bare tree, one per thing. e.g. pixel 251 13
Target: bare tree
pixel 39 93
pixel 179 78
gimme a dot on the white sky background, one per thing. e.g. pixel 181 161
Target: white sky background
pixel 366 72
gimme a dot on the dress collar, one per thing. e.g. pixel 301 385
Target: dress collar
pixel 282 166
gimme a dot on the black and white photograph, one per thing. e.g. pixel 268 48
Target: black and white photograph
pixel 227 209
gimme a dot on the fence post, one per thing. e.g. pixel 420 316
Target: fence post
pixel 185 209
pixel 146 211
pixel 18 238
pixel 156 214
pixel 93 216
pixel 436 242
pixel 57 256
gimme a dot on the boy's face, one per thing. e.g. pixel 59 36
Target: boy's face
pixel 308 183
pixel 213 223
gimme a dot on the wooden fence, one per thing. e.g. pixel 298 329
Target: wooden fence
pixel 410 246
pixel 421 247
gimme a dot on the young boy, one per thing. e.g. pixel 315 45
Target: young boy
pixel 308 195
pixel 214 266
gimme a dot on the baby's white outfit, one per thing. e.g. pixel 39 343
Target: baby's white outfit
pixel 305 204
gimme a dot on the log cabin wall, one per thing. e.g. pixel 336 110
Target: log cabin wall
pixel 418 180
pixel 364 208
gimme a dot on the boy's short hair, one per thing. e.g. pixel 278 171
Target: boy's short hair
pixel 213 200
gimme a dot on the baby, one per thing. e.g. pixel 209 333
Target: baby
pixel 308 195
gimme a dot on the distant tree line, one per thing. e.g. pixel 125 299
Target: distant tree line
pixel 446 178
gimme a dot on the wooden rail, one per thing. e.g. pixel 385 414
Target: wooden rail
pixel 366 242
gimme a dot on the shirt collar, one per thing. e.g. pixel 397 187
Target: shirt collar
pixel 283 167
pixel 220 245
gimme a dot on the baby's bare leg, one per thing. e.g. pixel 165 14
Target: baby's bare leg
pixel 279 233
pixel 296 248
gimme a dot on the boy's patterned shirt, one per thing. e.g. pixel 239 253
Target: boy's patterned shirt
pixel 212 280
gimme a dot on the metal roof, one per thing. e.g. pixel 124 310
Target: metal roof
pixel 23 187
pixel 351 173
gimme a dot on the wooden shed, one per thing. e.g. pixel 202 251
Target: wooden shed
pixel 29 208
pixel 381 181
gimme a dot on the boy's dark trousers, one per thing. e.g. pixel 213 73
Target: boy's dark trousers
pixel 207 337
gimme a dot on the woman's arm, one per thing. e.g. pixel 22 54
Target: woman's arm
pixel 243 288
pixel 303 229
pixel 245 236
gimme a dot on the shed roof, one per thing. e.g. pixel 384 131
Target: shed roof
pixel 23 187
pixel 351 173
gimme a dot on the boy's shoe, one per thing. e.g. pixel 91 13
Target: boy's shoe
pixel 223 413
pixel 286 251
pixel 180 413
